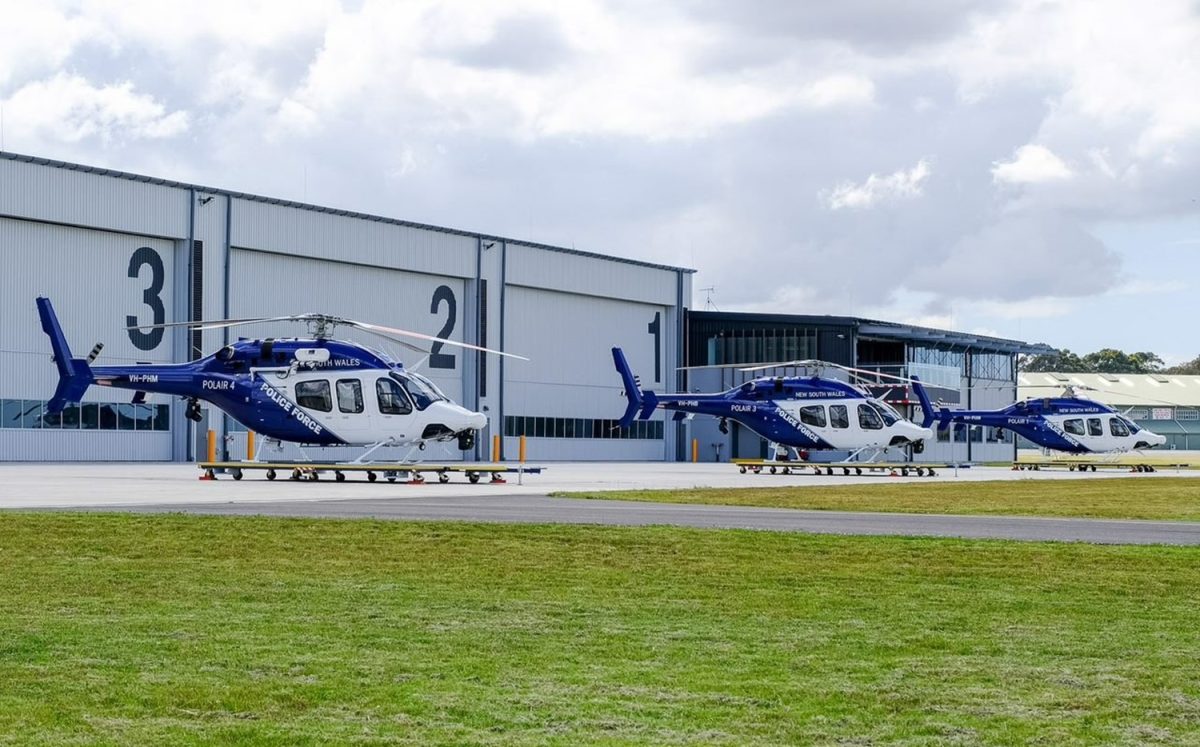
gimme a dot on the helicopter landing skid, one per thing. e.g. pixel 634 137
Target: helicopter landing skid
pixel 412 474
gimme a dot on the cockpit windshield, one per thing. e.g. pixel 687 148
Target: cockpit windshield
pixel 886 411
pixel 423 391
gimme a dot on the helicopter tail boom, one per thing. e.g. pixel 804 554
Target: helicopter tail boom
pixel 930 414
pixel 74 374
pixel 633 393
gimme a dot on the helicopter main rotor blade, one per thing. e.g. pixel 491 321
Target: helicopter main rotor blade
pixel 860 373
pixel 393 333
pixel 222 323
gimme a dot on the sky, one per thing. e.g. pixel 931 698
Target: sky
pixel 1024 169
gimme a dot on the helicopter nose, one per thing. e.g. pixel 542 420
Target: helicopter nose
pixel 476 421
pixel 917 433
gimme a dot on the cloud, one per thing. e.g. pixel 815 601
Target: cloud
pixel 524 43
pixel 1024 256
pixel 1042 307
pixel 691 132
pixel 903 184
pixel 70 109
pixel 39 38
pixel 1031 164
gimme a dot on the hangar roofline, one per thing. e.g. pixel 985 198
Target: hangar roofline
pixel 68 166
pixel 874 328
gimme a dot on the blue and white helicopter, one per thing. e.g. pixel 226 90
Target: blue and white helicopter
pixel 1067 424
pixel 317 391
pixel 800 412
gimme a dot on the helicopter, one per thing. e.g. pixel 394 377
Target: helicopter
pixel 318 391
pixel 1067 423
pixel 800 412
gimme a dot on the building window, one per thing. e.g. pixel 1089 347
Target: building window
pixel 546 427
pixel 88 416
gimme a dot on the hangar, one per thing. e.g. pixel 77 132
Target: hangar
pixel 961 369
pixel 114 250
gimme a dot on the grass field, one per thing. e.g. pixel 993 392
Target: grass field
pixel 125 629
pixel 1170 498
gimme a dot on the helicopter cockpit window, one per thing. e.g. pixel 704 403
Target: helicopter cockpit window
pixel 1074 426
pixel 1117 427
pixel 813 415
pixel 1095 427
pixel 1131 426
pixel 314 395
pixel 868 418
pixel 838 417
pixel 349 395
pixel 392 398
pixel 889 415
pixel 422 390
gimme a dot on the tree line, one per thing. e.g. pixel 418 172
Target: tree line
pixel 1107 360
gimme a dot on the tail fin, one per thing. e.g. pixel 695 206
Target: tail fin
pixel 74 374
pixel 633 392
pixel 926 405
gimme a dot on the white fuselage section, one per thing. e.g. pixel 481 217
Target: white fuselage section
pixel 371 406
pixel 1102 432
pixel 848 424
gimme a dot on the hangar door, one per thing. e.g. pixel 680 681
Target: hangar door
pixel 100 282
pixel 566 398
pixel 269 284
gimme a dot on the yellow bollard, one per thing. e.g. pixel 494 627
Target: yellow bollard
pixel 521 451
pixel 496 448
pixel 249 446
pixel 212 446
pixel 695 449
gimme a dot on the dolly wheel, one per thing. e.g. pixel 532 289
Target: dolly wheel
pixel 371 477
pixel 742 469
pixel 270 474
pixel 473 477
pixel 295 475
pixel 443 477
pixel 236 473
pixel 339 476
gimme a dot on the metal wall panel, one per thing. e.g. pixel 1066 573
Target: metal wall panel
pixel 291 230
pixel 57 195
pixel 569 339
pixel 86 274
pixel 572 273
pixel 265 284
pixel 83 446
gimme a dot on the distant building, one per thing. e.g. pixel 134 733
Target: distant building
pixel 1167 405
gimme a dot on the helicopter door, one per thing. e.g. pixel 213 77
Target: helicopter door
pixel 870 424
pixel 394 409
pixel 350 418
